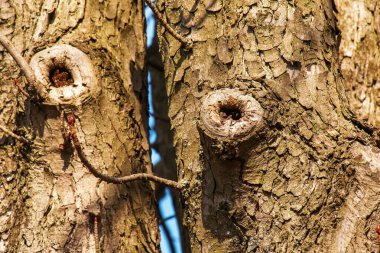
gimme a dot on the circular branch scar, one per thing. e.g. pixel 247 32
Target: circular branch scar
pixel 231 114
pixel 67 74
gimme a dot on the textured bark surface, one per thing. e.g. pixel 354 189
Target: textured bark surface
pixel 307 181
pixel 48 199
pixel 359 22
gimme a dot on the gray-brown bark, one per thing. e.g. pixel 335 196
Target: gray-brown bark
pixel 49 200
pixel 359 56
pixel 300 175
pixel 307 179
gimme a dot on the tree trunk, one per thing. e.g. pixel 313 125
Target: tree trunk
pixel 274 114
pixel 90 56
pixel 275 157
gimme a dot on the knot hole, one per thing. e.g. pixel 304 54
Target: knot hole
pixel 231 109
pixel 60 76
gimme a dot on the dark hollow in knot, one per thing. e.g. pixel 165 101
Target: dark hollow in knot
pixel 230 114
pixel 230 109
pixel 60 76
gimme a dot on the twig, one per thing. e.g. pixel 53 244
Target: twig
pixel 96 234
pixel 158 117
pixel 158 15
pixel 169 217
pixel 110 179
pixel 21 62
pixel 17 137
pixel 18 85
pixel 65 136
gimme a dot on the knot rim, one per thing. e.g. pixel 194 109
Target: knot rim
pixel 227 128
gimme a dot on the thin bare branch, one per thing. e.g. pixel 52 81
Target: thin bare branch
pixel 18 85
pixel 158 15
pixel 17 137
pixel 96 234
pixel 22 63
pixel 110 179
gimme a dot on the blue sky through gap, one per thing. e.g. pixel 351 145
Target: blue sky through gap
pixel 165 205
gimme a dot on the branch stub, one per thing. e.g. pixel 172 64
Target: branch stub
pixel 229 114
pixel 67 74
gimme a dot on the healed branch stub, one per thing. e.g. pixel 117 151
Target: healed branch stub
pixel 229 117
pixel 67 74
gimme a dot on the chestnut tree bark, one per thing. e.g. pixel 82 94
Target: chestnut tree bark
pixel 274 110
pixel 90 57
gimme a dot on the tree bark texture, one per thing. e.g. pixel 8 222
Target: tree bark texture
pixel 49 202
pixel 274 135
pixel 359 56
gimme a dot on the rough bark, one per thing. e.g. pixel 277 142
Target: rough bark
pixel 49 202
pixel 359 23
pixel 303 176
